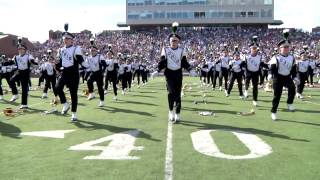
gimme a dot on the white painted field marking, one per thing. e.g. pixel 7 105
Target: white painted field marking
pixel 204 143
pixel 118 149
pixel 169 154
pixel 50 134
pixel 311 103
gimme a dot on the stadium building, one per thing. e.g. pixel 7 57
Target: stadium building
pixel 199 13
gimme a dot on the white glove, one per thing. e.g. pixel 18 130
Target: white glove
pixel 193 73
pixel 270 77
pixel 3 69
pixel 154 74
pixel 296 81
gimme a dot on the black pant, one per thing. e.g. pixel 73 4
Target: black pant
pixel 111 77
pixel 224 73
pixel 82 75
pixel 98 78
pixel 263 76
pixel 129 79
pixel 254 76
pixel 210 77
pixel 50 81
pixel 174 85
pixel 236 76
pixel 302 77
pixel 144 75
pixel 310 74
pixel 23 76
pixel 123 79
pixel 278 83
pixel 11 84
pixel 203 76
pixel 216 74
pixel 41 79
pixel 69 77
pixel 138 74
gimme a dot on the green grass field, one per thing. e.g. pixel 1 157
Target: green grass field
pixel 294 138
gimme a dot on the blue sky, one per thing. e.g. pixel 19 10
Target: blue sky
pixel 34 18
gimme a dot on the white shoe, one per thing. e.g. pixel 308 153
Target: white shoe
pixel 115 98
pixel 291 107
pixel 273 116
pixel 65 108
pixel 226 93
pixel 177 118
pixel 123 92
pixel 44 96
pixel 182 94
pixel 220 88
pixel 1 97
pixel 14 98
pixel 255 103
pixel 241 97
pixel 24 107
pixel 171 116
pixel 299 96
pixel 101 104
pixel 245 94
pixel 74 117
pixel 91 96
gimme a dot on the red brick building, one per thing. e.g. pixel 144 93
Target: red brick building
pixel 8 44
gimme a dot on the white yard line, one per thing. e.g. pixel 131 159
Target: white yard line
pixel 312 103
pixel 169 155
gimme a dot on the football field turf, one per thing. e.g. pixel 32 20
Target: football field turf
pixel 129 139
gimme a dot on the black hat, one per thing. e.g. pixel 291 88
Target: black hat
pixel 49 52
pixel 110 49
pixel 93 44
pixel 305 48
pixel 236 51
pixel 304 51
pixel 66 34
pixel 285 40
pixel 174 29
pixel 20 44
pixel 225 47
pixel 254 42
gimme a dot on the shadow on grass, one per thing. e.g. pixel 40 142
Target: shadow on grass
pixel 299 122
pixel 11 103
pixel 208 101
pixel 136 102
pixel 114 129
pixel 9 130
pixel 217 111
pixel 206 126
pixel 128 111
pixel 139 95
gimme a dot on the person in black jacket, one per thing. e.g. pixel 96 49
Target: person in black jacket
pixel 6 71
pixel 236 73
pixel 70 57
pixel 173 59
pixel 283 72
pixel 96 63
pixel 23 62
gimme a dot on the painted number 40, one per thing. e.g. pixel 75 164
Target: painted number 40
pixel 121 144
